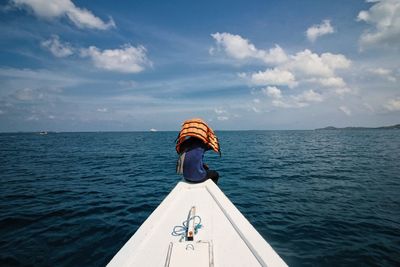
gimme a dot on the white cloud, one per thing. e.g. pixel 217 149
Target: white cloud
pixel 345 110
pixel 303 67
pixel 335 61
pixel 384 16
pixel 81 17
pixel 127 59
pixel 316 31
pixel 41 75
pixel 309 96
pixel 102 109
pixel 220 111
pixel 273 92
pixel 305 62
pixel 222 118
pixel 320 69
pixel 368 107
pixel 343 90
pixel 385 73
pixel 332 82
pixel 393 104
pixel 235 46
pixel 57 48
pixel 240 48
pixel 293 101
pixel 294 71
pixel 288 103
pixel 274 55
pixel 309 64
pixel 298 101
pixel 28 94
pixel 32 118
pixel 242 75
pixel 274 77
pixel 222 114
pixel 281 104
pixel 381 71
pixel 28 84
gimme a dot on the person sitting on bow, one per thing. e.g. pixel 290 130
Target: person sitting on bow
pixel 195 138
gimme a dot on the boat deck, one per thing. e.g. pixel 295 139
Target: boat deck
pixel 225 238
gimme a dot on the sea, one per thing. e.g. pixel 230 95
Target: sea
pixel 320 198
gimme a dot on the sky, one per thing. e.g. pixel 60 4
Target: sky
pixel 240 65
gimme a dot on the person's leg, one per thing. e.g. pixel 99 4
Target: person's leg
pixel 213 175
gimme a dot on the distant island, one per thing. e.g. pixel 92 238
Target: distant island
pixel 397 126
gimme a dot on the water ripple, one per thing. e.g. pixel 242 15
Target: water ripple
pixel 319 197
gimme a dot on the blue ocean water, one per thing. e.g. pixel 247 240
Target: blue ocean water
pixel 320 198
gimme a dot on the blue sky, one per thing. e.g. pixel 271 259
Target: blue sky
pixel 139 65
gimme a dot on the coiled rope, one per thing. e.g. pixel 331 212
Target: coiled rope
pixel 180 230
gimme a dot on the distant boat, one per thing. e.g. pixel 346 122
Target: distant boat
pixel 43 133
pixel 153 130
pixel 213 233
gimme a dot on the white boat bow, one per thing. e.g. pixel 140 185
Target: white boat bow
pixel 226 238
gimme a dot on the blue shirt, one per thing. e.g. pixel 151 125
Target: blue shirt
pixel 193 169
